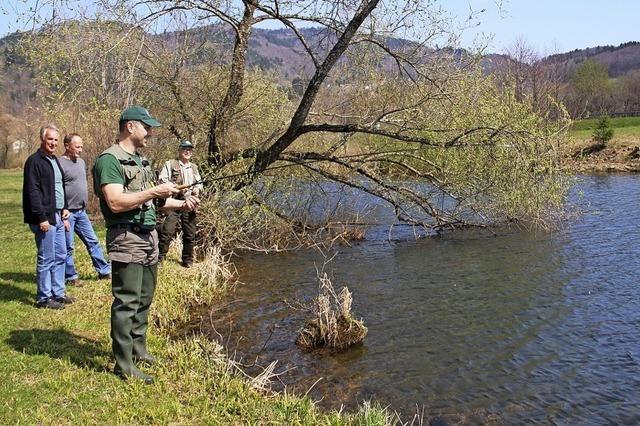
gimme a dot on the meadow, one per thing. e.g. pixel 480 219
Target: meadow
pixel 626 130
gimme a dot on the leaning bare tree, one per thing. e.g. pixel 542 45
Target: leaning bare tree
pixel 377 108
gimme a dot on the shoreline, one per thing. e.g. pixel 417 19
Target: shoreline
pixel 613 158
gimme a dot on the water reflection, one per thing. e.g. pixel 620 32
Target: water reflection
pixel 537 327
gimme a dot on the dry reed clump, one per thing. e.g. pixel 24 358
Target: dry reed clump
pixel 333 326
pixel 212 265
pixel 344 234
pixel 175 246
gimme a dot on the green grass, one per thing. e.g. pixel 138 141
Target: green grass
pixel 56 365
pixel 615 122
pixel 626 130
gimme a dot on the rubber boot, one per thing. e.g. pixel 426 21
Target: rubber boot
pixel 189 230
pixel 134 374
pixel 140 322
pixel 126 288
pixel 166 233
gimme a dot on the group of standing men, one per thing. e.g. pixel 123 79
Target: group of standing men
pixel 54 202
pixel 55 198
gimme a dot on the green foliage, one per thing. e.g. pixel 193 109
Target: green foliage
pixel 515 174
pixel 480 144
pixel 85 72
pixel 74 71
pixel 590 76
pixel 506 168
pixel 503 164
pixel 591 88
pixel 201 89
pixel 603 131
pixel 84 86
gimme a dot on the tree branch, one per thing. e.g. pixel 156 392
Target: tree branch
pixel 299 117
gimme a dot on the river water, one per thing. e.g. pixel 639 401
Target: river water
pixel 519 327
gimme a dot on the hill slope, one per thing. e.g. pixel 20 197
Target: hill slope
pixel 280 52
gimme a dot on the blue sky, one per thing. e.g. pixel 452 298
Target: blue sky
pixel 550 26
pixel 556 25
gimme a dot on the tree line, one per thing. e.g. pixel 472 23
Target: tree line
pixel 582 84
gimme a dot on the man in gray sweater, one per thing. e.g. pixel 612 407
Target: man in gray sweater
pixel 75 181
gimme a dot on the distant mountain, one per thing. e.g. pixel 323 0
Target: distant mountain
pixel 16 87
pixel 277 50
pixel 621 60
pixel 280 51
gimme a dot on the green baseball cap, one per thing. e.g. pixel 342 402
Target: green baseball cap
pixel 138 113
pixel 185 145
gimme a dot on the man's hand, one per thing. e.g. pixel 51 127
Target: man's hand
pixel 44 226
pixel 165 190
pixel 191 203
pixel 65 214
pixel 67 225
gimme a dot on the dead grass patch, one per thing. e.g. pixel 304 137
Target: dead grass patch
pixel 333 325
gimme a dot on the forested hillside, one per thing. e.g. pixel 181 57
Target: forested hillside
pixel 621 60
pixel 597 80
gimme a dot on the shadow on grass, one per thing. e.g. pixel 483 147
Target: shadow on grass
pixel 60 344
pixel 19 277
pixel 10 292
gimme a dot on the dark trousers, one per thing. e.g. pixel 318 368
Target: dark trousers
pixel 167 231
pixel 133 286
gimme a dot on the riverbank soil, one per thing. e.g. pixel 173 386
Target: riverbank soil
pixel 620 154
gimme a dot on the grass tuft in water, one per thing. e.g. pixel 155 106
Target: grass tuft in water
pixel 333 325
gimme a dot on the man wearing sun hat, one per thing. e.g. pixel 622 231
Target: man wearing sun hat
pixel 180 171
pixel 124 183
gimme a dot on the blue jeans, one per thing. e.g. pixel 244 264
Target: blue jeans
pixel 80 224
pixel 52 252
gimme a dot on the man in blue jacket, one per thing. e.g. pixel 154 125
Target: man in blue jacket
pixel 45 210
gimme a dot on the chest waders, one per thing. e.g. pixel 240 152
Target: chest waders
pixel 134 253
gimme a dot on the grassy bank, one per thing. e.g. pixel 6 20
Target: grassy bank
pixel 56 365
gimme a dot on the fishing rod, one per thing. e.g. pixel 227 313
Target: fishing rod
pixel 319 160
pixel 201 182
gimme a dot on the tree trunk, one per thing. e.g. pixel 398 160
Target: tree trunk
pixel 220 118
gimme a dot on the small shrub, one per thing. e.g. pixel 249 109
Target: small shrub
pixel 603 131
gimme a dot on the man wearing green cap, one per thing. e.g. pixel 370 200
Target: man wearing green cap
pixel 181 171
pixel 123 180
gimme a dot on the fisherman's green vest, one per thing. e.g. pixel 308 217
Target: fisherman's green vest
pixel 138 175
